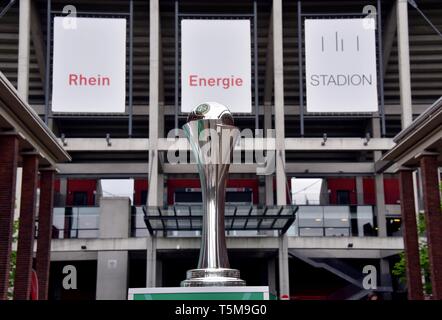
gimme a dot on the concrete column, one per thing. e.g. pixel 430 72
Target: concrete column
pixel 114 217
pixel 151 262
pixel 404 62
pixel 156 182
pixel 410 235
pixel 45 232
pixel 281 193
pixel 380 205
pixel 271 275
pixel 433 220
pixel 380 208
pixel 112 275
pixel 159 274
pixel 63 191
pixel 112 272
pixel 25 246
pixel 155 194
pixel 8 171
pixel 283 261
pixel 360 190
pixel 24 36
pixel 385 277
pixel 268 190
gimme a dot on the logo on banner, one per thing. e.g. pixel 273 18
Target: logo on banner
pixel 341 74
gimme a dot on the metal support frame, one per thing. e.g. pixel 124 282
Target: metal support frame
pixel 255 62
pixel 301 71
pixel 254 20
pixel 338 115
pixel 48 60
pixel 171 222
pixel 131 67
pixel 5 10
pixel 381 68
pixel 49 37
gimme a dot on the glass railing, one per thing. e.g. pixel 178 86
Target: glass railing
pixel 311 220
pixel 76 222
pixel 334 221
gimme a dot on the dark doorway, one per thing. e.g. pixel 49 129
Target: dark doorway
pixel 343 197
pixel 80 199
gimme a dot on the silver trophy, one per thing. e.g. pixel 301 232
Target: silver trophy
pixel 212 137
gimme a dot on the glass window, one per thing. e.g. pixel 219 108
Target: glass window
pixel 337 216
pixel 310 216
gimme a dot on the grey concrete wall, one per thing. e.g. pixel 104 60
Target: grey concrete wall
pixel 112 266
pixel 112 275
pixel 114 217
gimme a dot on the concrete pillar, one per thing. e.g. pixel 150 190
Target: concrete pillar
pixel 8 171
pixel 281 194
pixel 45 232
pixel 385 277
pixel 24 36
pixel 156 182
pixel 155 191
pixel 159 274
pixel 151 262
pixel 404 62
pixel 112 272
pixel 114 217
pixel 380 205
pixel 63 191
pixel 410 235
pixel 360 190
pixel 25 246
pixel 433 219
pixel 278 63
pixel 271 275
pixel 283 261
pixel 268 190
pixel 112 275
pixel 380 208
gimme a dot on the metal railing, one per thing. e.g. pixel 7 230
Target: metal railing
pixel 76 222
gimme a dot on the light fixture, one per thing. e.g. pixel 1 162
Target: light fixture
pixel 108 140
pixel 63 140
pixel 324 139
pixel 367 138
pixel 318 219
pixel 344 219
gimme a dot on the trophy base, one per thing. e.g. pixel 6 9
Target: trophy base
pixel 213 278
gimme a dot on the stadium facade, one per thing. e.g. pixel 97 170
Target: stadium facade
pixel 330 167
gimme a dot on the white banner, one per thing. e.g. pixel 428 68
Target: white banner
pixel 341 74
pixel 89 72
pixel 216 64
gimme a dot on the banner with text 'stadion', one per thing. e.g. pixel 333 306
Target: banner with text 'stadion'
pixel 89 71
pixel 341 74
pixel 216 63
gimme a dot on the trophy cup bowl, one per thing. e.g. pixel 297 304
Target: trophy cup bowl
pixel 212 136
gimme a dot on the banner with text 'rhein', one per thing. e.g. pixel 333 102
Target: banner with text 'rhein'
pixel 89 68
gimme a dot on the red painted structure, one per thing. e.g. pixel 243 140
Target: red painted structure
pixel 391 189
